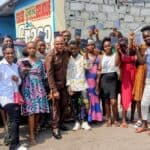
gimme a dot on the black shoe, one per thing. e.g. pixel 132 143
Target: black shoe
pixel 63 128
pixel 57 135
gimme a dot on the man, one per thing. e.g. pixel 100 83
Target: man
pixel 67 37
pixel 77 86
pixel 56 66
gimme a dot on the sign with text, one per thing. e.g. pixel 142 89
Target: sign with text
pixel 34 19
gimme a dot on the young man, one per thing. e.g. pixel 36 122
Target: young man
pixel 77 86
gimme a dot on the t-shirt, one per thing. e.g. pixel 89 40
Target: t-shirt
pixel 108 64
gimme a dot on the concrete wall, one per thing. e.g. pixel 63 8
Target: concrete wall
pixel 82 13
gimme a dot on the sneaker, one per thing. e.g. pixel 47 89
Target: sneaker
pixel 85 126
pixel 22 148
pixel 76 126
pixel 138 124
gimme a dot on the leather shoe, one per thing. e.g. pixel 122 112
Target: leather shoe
pixel 57 135
pixel 63 128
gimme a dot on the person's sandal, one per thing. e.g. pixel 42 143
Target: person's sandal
pixel 108 124
pixel 140 130
pixel 117 124
pixel 124 125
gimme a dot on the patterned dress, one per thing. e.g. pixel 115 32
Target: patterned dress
pixel 94 113
pixel 33 90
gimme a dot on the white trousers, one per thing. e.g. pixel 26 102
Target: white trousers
pixel 146 100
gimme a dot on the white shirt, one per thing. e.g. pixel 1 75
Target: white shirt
pixel 108 64
pixel 76 73
pixel 7 85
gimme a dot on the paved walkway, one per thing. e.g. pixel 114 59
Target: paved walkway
pixel 99 138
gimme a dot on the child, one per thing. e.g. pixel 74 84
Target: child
pixel 77 86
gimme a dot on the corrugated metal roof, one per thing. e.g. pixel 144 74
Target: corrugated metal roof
pixel 8 7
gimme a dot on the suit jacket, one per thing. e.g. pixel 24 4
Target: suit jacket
pixel 56 67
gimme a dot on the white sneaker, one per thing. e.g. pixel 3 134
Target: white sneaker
pixel 86 126
pixel 138 124
pixel 76 126
pixel 22 148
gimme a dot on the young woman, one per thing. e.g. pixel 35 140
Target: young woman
pixel 95 113
pixel 138 87
pixel 33 91
pixel 146 94
pixel 9 82
pixel 128 69
pixel 108 80
pixel 7 41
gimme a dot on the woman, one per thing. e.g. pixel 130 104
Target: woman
pixel 138 87
pixel 128 69
pixel 91 76
pixel 33 91
pixel 108 81
pixel 145 59
pixel 9 82
pixel 7 41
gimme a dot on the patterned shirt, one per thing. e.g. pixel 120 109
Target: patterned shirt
pixel 76 73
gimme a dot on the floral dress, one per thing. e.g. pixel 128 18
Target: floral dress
pixel 33 91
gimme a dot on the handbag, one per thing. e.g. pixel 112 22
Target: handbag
pixel 18 99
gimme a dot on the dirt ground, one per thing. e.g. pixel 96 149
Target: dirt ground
pixel 99 138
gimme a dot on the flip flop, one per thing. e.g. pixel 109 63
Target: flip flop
pixel 124 125
pixel 140 130
pixel 108 124
pixel 116 124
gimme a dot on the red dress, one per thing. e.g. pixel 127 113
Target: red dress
pixel 128 70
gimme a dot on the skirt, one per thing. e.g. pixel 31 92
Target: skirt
pixel 109 86
pixel 139 83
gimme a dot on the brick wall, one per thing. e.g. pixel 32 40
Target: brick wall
pixel 82 13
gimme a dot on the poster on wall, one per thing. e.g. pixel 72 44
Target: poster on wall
pixel 34 19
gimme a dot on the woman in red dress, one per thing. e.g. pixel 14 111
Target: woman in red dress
pixel 128 69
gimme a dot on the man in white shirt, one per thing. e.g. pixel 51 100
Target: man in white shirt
pixel 77 86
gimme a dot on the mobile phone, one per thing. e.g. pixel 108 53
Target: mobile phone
pixel 56 34
pixel 92 28
pixel 114 40
pixel 98 45
pixel 117 24
pixel 100 26
pixel 26 63
pixel 77 32
pixel 83 43
pixel 42 35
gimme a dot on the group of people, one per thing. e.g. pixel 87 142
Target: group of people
pixel 69 77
